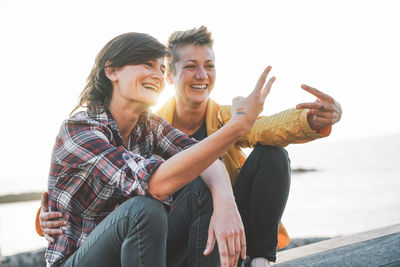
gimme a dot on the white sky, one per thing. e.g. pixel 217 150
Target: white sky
pixel 349 49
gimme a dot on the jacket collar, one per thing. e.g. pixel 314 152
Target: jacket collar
pixel 213 122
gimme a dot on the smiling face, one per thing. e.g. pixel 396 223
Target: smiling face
pixel 141 83
pixel 194 75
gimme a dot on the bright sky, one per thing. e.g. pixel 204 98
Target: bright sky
pixel 348 49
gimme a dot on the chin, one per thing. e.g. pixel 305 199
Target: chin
pixel 152 102
pixel 199 100
pixel 147 102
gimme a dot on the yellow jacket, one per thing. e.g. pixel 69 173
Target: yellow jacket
pixel 284 128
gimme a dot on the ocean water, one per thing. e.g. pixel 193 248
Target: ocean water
pixel 355 188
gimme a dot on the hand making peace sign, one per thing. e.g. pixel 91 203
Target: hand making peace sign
pixel 247 109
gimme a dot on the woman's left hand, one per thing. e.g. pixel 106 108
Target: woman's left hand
pixel 227 229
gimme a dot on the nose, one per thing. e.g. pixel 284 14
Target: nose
pixel 158 74
pixel 201 74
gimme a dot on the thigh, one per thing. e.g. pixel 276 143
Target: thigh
pixel 188 224
pixel 263 179
pixel 123 229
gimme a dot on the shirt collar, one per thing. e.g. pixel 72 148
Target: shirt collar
pixel 104 116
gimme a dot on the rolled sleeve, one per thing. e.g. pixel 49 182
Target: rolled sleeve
pixel 142 169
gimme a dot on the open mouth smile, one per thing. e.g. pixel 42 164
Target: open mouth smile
pixel 150 87
pixel 199 86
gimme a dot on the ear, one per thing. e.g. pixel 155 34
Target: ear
pixel 111 73
pixel 168 78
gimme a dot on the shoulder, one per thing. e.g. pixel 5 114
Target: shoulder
pixel 85 118
pixel 84 122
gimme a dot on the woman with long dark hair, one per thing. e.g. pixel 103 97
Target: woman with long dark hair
pixel 115 166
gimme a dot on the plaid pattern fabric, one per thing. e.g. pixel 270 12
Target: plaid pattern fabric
pixel 92 171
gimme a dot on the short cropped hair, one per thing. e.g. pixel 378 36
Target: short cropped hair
pixel 196 36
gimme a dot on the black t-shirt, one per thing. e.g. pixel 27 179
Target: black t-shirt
pixel 201 133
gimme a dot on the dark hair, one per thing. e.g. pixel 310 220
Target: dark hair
pixel 196 36
pixel 126 49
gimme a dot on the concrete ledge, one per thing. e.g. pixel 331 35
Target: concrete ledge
pixel 379 247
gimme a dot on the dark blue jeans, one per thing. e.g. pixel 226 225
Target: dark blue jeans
pixel 188 224
pixel 140 232
pixel 261 192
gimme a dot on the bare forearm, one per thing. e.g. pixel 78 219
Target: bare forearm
pixel 183 167
pixel 217 179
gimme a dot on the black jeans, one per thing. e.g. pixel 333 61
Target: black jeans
pixel 141 233
pixel 261 191
pixel 188 224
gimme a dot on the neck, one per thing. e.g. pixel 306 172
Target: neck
pixel 126 116
pixel 189 117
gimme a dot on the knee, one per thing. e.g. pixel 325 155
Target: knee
pixel 149 211
pixel 273 164
pixel 276 157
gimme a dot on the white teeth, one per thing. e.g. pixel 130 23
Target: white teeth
pixel 199 86
pixel 150 86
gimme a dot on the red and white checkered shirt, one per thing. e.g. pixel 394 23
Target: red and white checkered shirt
pixel 92 171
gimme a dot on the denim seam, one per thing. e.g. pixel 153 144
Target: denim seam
pixel 198 232
pixel 141 262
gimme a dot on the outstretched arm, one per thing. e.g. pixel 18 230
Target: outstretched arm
pixel 309 122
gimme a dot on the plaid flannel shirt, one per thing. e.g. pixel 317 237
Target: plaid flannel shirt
pixel 92 171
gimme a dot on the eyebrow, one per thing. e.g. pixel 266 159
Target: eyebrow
pixel 195 61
